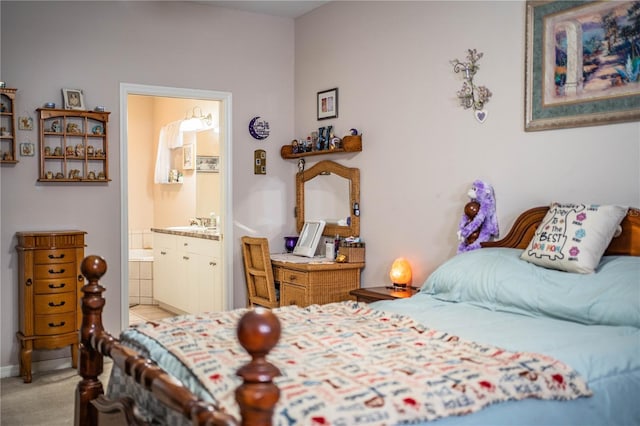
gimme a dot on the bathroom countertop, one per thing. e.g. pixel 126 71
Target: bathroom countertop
pixel 195 233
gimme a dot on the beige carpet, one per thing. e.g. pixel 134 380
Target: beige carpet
pixel 47 400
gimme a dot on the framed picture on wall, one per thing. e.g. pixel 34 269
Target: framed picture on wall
pixel 188 157
pixel 328 104
pixel 73 98
pixel 582 68
pixel 207 164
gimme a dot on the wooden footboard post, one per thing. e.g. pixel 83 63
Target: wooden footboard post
pixel 258 333
pixel 91 362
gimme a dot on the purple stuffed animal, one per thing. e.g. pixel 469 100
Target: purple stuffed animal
pixel 484 223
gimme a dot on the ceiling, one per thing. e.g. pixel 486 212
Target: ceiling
pixel 285 8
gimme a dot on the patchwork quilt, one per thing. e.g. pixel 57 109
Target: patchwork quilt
pixel 346 363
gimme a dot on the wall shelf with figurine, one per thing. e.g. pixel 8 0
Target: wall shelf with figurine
pixel 73 145
pixel 7 126
pixel 349 144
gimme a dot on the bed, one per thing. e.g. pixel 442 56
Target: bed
pixel 560 348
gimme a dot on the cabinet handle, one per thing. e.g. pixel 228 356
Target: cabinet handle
pixel 185 257
pixel 60 324
pixel 53 305
pixel 163 253
pixel 212 263
pixel 292 277
pixel 57 286
pixel 29 282
pixel 51 271
pixel 52 256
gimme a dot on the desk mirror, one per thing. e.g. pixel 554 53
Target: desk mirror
pixel 330 192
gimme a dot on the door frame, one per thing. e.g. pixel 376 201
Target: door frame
pixel 226 235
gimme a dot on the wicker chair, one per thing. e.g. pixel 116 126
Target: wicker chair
pixel 261 288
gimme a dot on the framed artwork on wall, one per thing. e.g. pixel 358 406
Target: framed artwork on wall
pixel 207 164
pixel 582 64
pixel 73 98
pixel 328 104
pixel 188 157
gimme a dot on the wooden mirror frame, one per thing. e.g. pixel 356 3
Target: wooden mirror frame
pixel 349 173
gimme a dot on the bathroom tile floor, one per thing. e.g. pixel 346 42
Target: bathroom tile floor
pixel 142 313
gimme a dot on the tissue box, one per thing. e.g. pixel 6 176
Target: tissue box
pixel 354 252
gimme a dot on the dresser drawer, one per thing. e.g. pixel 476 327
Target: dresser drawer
pixel 59 270
pixel 294 277
pixel 54 256
pixel 55 324
pixel 46 304
pixel 55 285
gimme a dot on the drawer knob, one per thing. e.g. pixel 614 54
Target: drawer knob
pixel 52 256
pixel 29 282
pixel 57 286
pixel 80 278
pixel 53 325
pixel 51 271
pixel 292 277
pixel 53 305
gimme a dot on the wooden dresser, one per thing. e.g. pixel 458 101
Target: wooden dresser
pixel 305 284
pixel 50 281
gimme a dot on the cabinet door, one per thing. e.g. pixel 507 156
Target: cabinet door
pixel 165 269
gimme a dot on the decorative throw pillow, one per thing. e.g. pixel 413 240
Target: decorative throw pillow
pixel 573 237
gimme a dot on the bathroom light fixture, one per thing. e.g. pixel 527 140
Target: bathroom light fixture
pixel 197 122
pixel 400 273
pixel 472 96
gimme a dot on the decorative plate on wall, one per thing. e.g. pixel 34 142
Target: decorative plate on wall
pixel 259 129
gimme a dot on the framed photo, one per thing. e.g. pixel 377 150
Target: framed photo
pixel 27 149
pixel 188 157
pixel 581 66
pixel 25 123
pixel 328 104
pixel 73 99
pixel 207 164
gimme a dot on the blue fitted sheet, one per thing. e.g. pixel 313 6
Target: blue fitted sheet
pixel 608 357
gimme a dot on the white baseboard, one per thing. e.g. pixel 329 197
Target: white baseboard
pixel 37 367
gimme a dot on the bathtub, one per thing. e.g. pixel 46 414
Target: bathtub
pixel 140 255
pixel 141 277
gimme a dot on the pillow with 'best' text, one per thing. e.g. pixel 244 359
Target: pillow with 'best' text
pixel 573 237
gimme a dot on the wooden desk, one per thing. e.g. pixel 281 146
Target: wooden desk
pixel 305 284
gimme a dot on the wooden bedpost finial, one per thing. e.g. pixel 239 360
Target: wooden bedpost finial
pixel 93 267
pixel 258 332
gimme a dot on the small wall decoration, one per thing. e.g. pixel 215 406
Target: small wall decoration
pixel 73 98
pixel 25 123
pixel 188 157
pixel 328 104
pixel 260 162
pixel 472 96
pixel 207 164
pixel 259 129
pixel 27 149
pixel 582 64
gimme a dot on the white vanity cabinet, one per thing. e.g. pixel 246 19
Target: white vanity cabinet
pixel 187 273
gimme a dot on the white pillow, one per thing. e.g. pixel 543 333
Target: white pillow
pixel 573 237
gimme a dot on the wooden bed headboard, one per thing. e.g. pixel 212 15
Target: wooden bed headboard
pixel 628 243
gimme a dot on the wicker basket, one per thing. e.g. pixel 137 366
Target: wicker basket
pixel 353 254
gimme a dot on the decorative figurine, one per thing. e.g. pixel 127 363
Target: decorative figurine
pixel 57 151
pixel 301 164
pixel 322 139
pixel 479 223
pixel 79 150
pixel 90 150
pixel 47 150
pixel 70 151
pixel 55 126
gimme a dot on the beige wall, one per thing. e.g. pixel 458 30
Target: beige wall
pixel 169 44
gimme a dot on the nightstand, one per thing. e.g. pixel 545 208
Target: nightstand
pixel 373 294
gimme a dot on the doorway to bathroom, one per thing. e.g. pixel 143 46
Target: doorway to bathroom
pixel 161 184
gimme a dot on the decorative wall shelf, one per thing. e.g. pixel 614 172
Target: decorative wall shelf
pixel 349 144
pixel 8 124
pixel 73 146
